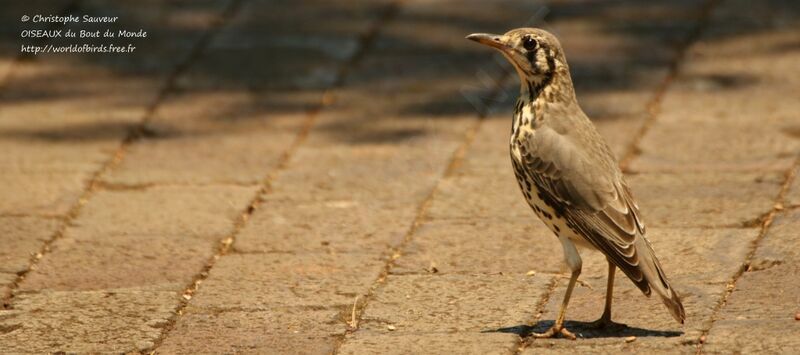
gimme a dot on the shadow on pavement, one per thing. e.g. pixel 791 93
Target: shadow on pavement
pixel 419 65
pixel 584 330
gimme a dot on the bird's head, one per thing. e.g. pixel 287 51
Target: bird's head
pixel 535 53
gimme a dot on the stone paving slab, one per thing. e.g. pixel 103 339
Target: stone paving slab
pixel 611 345
pixel 21 238
pixel 110 261
pixel 368 342
pixel 453 303
pixel 770 294
pixel 57 156
pixel 369 173
pixel 748 336
pixel 276 330
pixel 80 322
pixel 775 248
pixel 270 280
pixel 284 303
pixel 488 246
pixel 704 199
pixel 330 226
pixel 43 194
pixel 461 197
pixel 766 298
pixel 793 195
pixel 206 212
pixel 209 138
pixel 708 146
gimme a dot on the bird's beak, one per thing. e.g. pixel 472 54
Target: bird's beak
pixel 495 41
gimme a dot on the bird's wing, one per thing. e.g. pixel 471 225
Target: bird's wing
pixel 590 193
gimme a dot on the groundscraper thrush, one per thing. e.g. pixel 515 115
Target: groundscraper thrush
pixel 569 175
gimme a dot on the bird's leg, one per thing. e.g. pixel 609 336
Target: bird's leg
pixel 605 319
pixel 558 327
pixel 575 264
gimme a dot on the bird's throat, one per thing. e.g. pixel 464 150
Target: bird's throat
pixel 532 88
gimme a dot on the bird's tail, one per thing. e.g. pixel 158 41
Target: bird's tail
pixel 652 270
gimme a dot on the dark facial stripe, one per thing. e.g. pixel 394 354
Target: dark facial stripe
pixel 531 92
pixel 551 62
pixel 534 89
pixel 531 55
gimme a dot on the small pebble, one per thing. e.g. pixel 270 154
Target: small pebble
pixel 797 316
pixel 390 327
pixel 630 339
pixel 530 273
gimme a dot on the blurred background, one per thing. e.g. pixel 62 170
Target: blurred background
pixel 333 176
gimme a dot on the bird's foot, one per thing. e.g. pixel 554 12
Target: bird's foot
pixel 605 323
pixel 554 331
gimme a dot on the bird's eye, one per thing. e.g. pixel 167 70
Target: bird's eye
pixel 529 43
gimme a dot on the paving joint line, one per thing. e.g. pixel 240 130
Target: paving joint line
pixel 133 134
pixel 395 252
pixel 225 246
pixel 653 109
pixel 679 171
pixel 654 105
pixel 113 186
pixel 778 208
pixel 31 215
pixel 522 342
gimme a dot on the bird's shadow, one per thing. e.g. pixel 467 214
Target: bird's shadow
pixel 584 330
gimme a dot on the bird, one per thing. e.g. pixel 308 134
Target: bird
pixel 571 178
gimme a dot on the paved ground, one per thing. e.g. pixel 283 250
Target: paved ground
pixel 265 177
